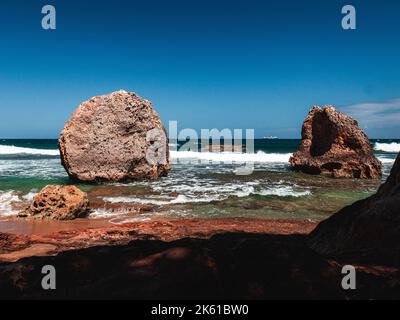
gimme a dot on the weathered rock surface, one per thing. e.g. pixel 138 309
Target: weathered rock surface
pixel 59 203
pixel 334 145
pixel 368 228
pixel 109 138
pixel 85 233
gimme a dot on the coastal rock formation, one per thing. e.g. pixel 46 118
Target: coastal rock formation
pixel 334 145
pixel 114 137
pixel 59 203
pixel 369 228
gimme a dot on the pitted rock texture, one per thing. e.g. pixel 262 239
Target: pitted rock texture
pixel 334 145
pixel 59 203
pixel 115 137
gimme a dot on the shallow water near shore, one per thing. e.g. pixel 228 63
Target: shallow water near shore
pixel 199 185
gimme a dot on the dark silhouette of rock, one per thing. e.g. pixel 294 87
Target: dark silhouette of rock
pixel 59 203
pixel 226 266
pixel 334 145
pixel 369 228
pixel 114 137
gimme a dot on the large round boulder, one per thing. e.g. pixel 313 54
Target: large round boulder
pixel 334 145
pixel 115 137
pixel 58 203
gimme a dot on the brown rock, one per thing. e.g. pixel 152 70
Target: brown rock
pixel 368 228
pixel 109 137
pixel 59 203
pixel 334 145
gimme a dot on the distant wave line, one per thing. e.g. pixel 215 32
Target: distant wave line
pixel 393 147
pixel 8 150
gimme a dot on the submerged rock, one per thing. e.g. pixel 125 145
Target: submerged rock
pixel 334 145
pixel 114 137
pixel 59 203
pixel 369 228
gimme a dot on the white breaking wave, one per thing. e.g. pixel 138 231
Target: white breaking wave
pixel 103 213
pixel 225 157
pixel 181 199
pixel 386 160
pixel 6 200
pixel 281 191
pixel 387 147
pixel 20 150
pixel 229 157
pixel 29 196
pixel 284 192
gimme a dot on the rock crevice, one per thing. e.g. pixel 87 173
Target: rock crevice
pixel 334 145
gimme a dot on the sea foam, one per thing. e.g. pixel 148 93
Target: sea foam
pixel 279 191
pixel 6 201
pixel 19 150
pixel 258 157
pixel 226 157
pixel 387 147
pixel 386 160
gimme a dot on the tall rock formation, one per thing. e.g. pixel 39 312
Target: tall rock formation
pixel 334 145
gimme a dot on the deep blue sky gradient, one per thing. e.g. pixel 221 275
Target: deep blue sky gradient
pixel 224 64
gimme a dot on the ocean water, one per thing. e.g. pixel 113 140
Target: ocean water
pixel 200 185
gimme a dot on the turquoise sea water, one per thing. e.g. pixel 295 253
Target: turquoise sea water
pixel 199 185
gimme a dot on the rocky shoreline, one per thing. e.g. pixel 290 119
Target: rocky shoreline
pixel 186 259
pixel 14 246
pixel 227 265
pixel 209 258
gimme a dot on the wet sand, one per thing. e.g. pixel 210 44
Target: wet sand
pixel 38 227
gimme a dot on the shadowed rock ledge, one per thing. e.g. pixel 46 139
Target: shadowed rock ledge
pixel 226 266
pixel 368 229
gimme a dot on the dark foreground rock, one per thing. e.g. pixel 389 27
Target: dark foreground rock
pixel 226 266
pixel 368 230
pixel 184 259
pixel 59 203
pixel 334 145
pixel 115 137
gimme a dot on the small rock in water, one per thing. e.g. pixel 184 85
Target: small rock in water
pixel 58 203
pixel 115 137
pixel 334 145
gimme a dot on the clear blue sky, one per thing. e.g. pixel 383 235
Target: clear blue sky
pixel 224 64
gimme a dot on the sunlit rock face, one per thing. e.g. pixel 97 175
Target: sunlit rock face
pixel 334 145
pixel 58 203
pixel 109 138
